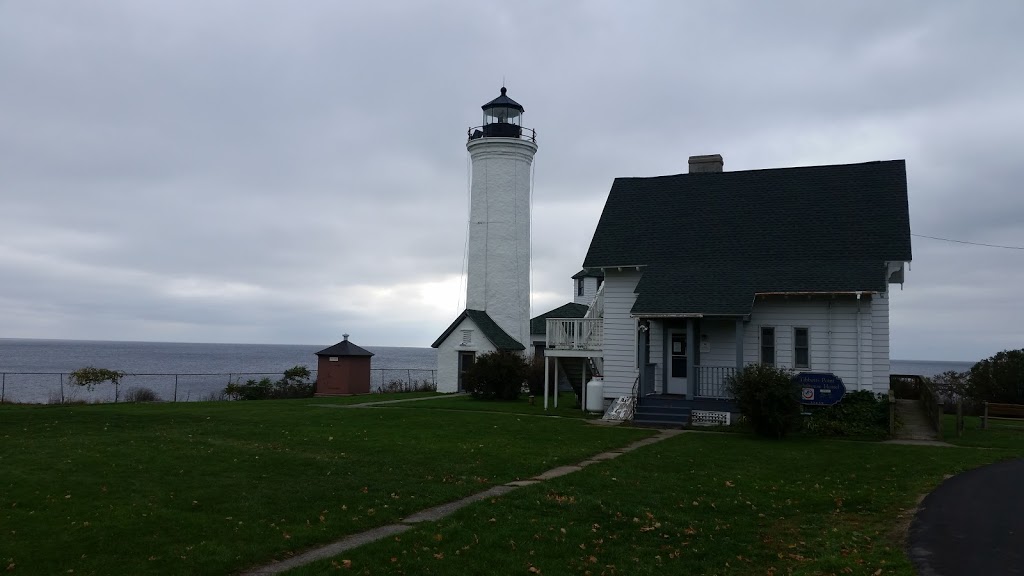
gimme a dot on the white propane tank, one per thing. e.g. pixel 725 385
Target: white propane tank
pixel 595 395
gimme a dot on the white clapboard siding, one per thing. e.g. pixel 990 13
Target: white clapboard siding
pixel 657 336
pixel 448 354
pixel 590 287
pixel 620 369
pixel 867 353
pixel 880 345
pixel 785 315
pixel 721 335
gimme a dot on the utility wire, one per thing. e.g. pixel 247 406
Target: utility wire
pixel 971 243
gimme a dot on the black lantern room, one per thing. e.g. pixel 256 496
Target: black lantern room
pixel 502 119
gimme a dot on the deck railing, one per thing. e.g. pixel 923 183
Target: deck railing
pixel 712 381
pixel 575 333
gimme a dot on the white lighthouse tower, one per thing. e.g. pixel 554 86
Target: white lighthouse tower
pixel 497 315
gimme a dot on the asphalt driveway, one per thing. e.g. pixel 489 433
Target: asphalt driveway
pixel 972 524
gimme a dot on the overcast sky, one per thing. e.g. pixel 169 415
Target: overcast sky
pixel 284 172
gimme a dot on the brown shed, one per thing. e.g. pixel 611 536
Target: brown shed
pixel 343 369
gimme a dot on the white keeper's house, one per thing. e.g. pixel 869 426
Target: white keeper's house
pixel 688 277
pixel 708 271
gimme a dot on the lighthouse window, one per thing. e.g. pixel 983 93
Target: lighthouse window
pixel 579 287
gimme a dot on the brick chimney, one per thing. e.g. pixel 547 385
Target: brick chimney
pixel 706 163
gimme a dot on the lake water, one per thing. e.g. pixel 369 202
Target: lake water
pixel 227 361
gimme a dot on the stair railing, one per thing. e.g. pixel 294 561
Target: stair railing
pixel 636 397
pixel 594 311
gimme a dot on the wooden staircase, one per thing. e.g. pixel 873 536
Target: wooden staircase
pixel 661 412
pixel 573 374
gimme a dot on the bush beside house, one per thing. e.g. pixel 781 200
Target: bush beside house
pixel 767 398
pixel 497 375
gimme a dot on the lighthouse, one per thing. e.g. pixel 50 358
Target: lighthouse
pixel 497 314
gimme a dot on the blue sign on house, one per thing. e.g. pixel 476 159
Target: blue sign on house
pixel 820 388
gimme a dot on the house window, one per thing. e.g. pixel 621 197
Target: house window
pixel 768 345
pixel 467 337
pixel 801 348
pixel 579 287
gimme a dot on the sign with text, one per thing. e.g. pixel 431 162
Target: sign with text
pixel 820 388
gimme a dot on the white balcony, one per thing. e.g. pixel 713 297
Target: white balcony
pixel 574 336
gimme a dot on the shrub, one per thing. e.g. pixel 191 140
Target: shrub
pixel 140 395
pixel 859 413
pixel 496 376
pixel 89 377
pixel 294 384
pixel 767 398
pixel 954 387
pixel 999 378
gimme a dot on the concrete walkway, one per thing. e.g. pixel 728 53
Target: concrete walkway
pixel 438 512
pixel 972 524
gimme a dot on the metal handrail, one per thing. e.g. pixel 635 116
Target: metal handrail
pixel 477 132
pixel 636 397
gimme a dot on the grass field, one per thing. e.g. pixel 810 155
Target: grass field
pixel 212 488
pixel 1008 434
pixel 565 409
pixel 700 503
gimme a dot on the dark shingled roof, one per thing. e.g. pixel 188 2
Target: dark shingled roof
pixel 585 273
pixel 538 325
pixel 344 348
pixel 493 332
pixel 710 241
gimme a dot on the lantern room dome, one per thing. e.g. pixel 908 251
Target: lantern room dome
pixel 503 101
pixel 502 119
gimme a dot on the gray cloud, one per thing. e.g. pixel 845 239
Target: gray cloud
pixel 255 172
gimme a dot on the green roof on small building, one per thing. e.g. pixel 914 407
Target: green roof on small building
pixel 538 325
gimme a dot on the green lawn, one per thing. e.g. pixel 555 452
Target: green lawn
pixel 1006 434
pixel 212 488
pixel 566 409
pixel 696 504
pixel 371 398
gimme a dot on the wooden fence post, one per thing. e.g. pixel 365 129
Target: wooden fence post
pixel 984 417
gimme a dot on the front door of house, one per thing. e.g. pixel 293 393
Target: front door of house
pixel 677 362
pixel 466 360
